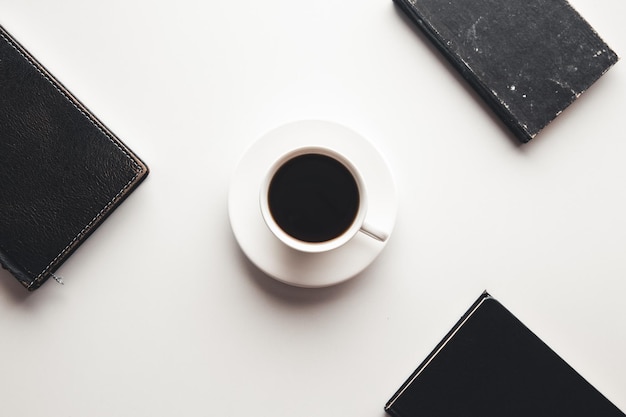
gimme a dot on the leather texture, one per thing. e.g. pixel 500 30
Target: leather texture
pixel 528 59
pixel 62 172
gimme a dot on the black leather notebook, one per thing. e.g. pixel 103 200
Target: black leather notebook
pixel 528 59
pixel 62 172
pixel 491 365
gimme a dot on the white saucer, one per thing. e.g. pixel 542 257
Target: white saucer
pixel 271 255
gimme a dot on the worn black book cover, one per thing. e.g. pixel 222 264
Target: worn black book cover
pixel 62 172
pixel 528 59
pixel 491 365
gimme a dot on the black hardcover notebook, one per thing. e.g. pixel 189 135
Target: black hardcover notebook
pixel 528 59
pixel 491 365
pixel 62 172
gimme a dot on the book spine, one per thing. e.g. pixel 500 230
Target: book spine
pixel 391 407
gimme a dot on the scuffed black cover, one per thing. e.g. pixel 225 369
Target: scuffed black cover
pixel 528 59
pixel 62 172
pixel 491 365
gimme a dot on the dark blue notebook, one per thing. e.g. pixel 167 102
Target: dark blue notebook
pixel 491 365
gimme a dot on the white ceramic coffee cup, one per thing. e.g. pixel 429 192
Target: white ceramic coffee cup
pixel 359 224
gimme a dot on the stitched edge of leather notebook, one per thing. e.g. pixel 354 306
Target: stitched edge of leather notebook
pixel 141 171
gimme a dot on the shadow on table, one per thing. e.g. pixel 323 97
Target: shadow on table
pixel 290 294
pixel 9 285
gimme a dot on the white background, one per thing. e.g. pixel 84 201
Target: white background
pixel 162 314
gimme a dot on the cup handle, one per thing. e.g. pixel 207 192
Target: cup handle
pixel 373 232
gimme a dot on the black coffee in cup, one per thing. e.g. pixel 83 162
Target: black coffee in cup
pixel 313 198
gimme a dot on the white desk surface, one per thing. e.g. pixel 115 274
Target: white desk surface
pixel 162 314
